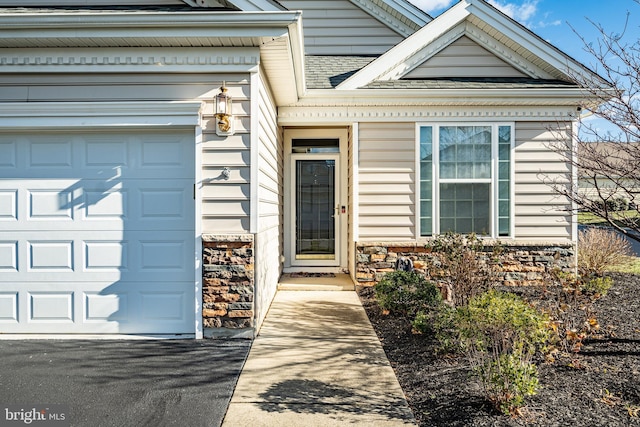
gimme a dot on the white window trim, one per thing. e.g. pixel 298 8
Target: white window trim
pixel 494 180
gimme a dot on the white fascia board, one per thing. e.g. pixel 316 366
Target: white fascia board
pixel 17 115
pixel 408 47
pixel 529 40
pixel 145 24
pixel 146 19
pixel 408 97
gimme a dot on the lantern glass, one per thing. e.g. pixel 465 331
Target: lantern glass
pixel 223 103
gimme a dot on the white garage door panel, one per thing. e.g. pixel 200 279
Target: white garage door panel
pixel 105 156
pixel 119 308
pixel 97 233
pixel 91 205
pixel 163 256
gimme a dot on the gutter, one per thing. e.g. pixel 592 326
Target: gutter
pixel 231 19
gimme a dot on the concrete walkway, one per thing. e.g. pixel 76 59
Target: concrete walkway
pixel 317 362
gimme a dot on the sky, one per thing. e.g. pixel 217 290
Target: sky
pixel 553 20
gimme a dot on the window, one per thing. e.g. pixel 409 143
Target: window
pixel 465 179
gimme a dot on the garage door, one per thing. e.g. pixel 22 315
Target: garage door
pixel 97 233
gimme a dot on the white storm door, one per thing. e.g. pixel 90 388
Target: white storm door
pixel 315 209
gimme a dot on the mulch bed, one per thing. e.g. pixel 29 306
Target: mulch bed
pixel 598 386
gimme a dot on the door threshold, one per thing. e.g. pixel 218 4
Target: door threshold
pixel 315 282
pixel 314 269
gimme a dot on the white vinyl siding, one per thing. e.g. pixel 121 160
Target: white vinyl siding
pixel 388 196
pixel 540 214
pixel 338 27
pixel 226 205
pixel 386 181
pixel 463 58
pixel 101 87
pixel 269 239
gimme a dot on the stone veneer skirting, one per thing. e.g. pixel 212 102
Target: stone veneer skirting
pixel 520 264
pixel 228 282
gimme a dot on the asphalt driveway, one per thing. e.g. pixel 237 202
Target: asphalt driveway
pixel 123 383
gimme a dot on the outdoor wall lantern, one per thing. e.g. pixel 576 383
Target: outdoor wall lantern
pixel 224 119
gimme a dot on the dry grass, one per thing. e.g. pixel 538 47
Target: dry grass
pixel 600 250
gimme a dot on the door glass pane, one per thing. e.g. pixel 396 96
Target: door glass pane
pixel 315 203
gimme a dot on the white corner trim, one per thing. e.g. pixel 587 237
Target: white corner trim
pixel 18 115
pixel 197 195
pixel 164 60
pixel 355 155
pixel 254 144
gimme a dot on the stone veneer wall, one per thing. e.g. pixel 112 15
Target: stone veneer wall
pixel 228 282
pixel 520 264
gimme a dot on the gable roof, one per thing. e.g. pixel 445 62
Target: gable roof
pixel 528 55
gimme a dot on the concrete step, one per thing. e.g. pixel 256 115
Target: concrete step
pixel 315 282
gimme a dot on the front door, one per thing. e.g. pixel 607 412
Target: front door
pixel 315 209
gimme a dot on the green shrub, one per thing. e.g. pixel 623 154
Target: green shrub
pixel 502 321
pixel 508 379
pixel 440 321
pixel 500 334
pixel 406 293
pixel 596 285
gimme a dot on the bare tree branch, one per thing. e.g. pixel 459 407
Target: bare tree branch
pixel 608 162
